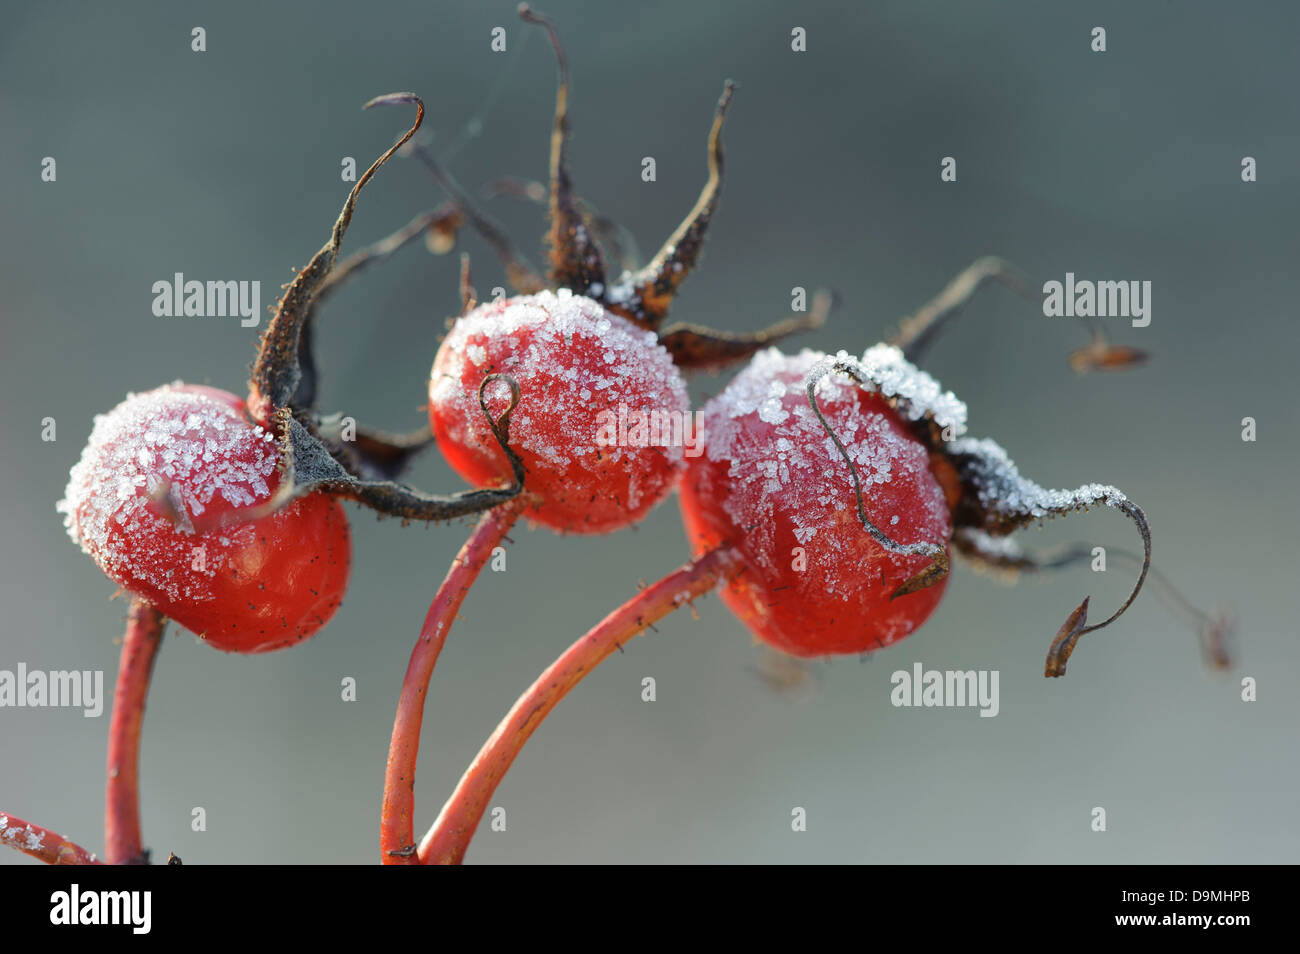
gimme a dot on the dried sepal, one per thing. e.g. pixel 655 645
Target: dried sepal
pixel 316 455
pixel 645 296
pixel 277 372
pixel 576 262
pixel 702 349
pixel 369 453
pixel 998 500
pixel 1005 559
pixel 576 231
pixel 308 465
pixel 578 237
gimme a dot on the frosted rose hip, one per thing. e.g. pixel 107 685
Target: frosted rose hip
pixel 586 377
pixel 772 483
pixel 245 587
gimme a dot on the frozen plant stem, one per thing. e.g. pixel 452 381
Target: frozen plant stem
pixel 397 824
pixel 122 841
pixel 448 839
pixel 41 843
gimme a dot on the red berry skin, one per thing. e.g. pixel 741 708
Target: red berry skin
pixel 246 587
pixel 772 484
pixel 575 363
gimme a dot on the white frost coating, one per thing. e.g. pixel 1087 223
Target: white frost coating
pixel 918 395
pixel 194 443
pixel 27 836
pixel 1002 489
pixel 782 465
pixel 526 337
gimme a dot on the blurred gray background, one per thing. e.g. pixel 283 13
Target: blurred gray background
pixel 1122 165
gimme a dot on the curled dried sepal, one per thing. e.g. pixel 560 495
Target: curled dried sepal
pixel 307 465
pixel 1003 556
pixel 276 372
pixel 282 390
pixel 998 500
pixel 937 552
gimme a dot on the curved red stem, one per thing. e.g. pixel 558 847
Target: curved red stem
pixel 122 841
pixel 397 823
pixel 41 843
pixel 449 838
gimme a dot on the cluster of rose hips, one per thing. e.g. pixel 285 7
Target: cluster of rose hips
pixel 829 495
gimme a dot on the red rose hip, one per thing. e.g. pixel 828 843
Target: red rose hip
pixel 155 500
pixel 772 483
pixel 600 417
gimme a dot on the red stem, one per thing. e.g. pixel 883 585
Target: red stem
pixel 41 843
pixel 122 842
pixel 397 823
pixel 448 839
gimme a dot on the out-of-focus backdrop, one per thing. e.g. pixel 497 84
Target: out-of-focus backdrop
pixel 1126 164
